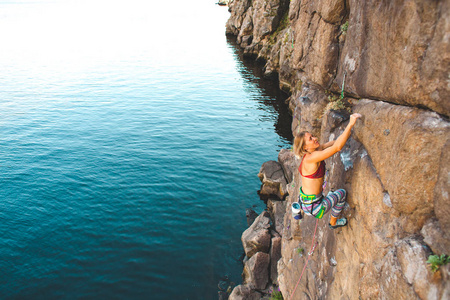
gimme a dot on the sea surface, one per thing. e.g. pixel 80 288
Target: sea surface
pixel 131 135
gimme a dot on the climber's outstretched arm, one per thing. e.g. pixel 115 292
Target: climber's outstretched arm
pixel 338 144
pixel 327 145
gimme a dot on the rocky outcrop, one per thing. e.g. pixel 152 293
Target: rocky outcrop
pixel 273 180
pixel 243 292
pixel 389 61
pixel 254 21
pixel 414 140
pixel 275 255
pixel 277 209
pixel 262 245
pixel 288 164
pixel 257 237
pixel 397 51
pixel 256 271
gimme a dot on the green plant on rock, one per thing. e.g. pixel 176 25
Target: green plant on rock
pixel 276 295
pixel 336 103
pixel 284 23
pixel 344 27
pixel 286 38
pixel 272 12
pixel 300 251
pixel 333 98
pixel 437 261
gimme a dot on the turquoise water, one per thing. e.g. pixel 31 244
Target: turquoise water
pixel 131 135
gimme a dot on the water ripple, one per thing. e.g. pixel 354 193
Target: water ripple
pixel 126 173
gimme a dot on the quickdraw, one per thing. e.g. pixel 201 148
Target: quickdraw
pixel 343 85
pixel 314 248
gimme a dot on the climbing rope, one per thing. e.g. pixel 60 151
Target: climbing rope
pixel 313 246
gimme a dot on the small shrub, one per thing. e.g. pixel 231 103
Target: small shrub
pixel 300 251
pixel 284 23
pixel 336 103
pixel 332 98
pixel 437 261
pixel 276 295
pixel 344 27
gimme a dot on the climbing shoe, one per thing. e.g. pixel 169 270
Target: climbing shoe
pixel 339 223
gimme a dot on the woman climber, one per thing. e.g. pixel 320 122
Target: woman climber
pixel 312 170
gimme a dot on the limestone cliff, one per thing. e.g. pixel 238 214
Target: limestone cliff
pixel 389 61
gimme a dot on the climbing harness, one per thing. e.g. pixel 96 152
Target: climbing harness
pixel 313 247
pixel 310 200
pixel 319 215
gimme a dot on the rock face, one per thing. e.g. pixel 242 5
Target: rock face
pixel 255 20
pixel 391 60
pixel 397 51
pixel 257 237
pixel 288 163
pixel 243 292
pixel 404 46
pixel 273 180
pixel 256 271
pixel 275 255
pixel 408 135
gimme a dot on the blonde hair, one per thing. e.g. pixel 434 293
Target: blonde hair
pixel 299 141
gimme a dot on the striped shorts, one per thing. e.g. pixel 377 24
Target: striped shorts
pixel 334 201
